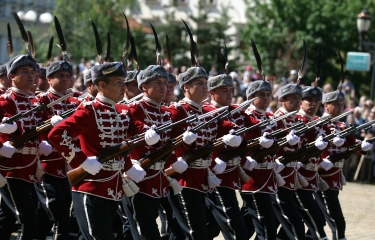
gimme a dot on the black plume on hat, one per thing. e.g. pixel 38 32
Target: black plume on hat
pixel 151 72
pixel 106 70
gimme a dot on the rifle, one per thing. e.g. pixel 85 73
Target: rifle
pixel 76 175
pixel 32 133
pixel 251 144
pixel 167 149
pixel 39 108
pixel 347 153
pixel 124 101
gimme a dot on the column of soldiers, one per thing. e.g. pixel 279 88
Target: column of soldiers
pixel 97 159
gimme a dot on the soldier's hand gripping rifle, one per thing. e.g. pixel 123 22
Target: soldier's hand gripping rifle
pixel 76 175
pixel 40 107
pixel 174 143
pixel 33 133
pixel 347 153
pixel 252 143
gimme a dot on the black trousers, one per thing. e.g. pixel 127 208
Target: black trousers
pixel 331 199
pixel 189 209
pixel 260 208
pixel 17 210
pixel 168 222
pixel 286 210
pixel 310 212
pixel 54 207
pixel 142 211
pixel 223 205
pixel 94 216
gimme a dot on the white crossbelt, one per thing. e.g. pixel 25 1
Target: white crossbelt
pixel 311 167
pixel 265 165
pixel 113 166
pixel 339 164
pixel 234 162
pixel 155 166
pixel 27 150
pixel 291 164
pixel 200 163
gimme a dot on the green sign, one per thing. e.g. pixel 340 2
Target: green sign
pixel 358 61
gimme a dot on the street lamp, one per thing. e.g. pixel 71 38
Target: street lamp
pixel 363 25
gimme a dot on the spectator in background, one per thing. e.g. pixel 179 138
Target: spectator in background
pixel 292 77
pixel 348 88
pixel 213 71
pixel 249 76
pixel 362 101
pixel 350 105
pixel 327 88
pixel 273 106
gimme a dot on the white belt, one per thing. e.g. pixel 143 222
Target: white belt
pixel 201 163
pixel 311 167
pixel 113 166
pixel 265 165
pixel 234 162
pixel 157 166
pixel 28 150
pixel 339 164
pixel 291 164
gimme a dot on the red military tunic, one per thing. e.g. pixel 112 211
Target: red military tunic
pixel 54 164
pixel 23 163
pixel 147 113
pixel 2 89
pixel 195 176
pixel 86 97
pixel 334 176
pixel 230 178
pixel 262 177
pixel 309 170
pixel 99 125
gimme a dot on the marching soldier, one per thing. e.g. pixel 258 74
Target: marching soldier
pixel 99 125
pixel 334 105
pixel 131 85
pixel 91 89
pixel 5 83
pixel 19 167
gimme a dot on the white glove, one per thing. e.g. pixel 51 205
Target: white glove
pixel 8 128
pixel 92 165
pixel 45 148
pixel 151 136
pixel 338 141
pixel 7 150
pixel 249 164
pixel 220 166
pixel 56 120
pixel 326 164
pixel 232 140
pixel 320 144
pixel 299 165
pixel 136 173
pixel 279 166
pixel 265 142
pixel 189 137
pixel 292 138
pixel 366 145
pixel 180 165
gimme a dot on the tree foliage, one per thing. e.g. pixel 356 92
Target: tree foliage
pixel 278 27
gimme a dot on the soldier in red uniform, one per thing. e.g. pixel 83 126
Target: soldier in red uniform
pixel 189 205
pixel 223 200
pixel 91 89
pixel 54 190
pixel 131 85
pixel 99 125
pixel 18 168
pixel 5 83
pixel 256 192
pixel 334 105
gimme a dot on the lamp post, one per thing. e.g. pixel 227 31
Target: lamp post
pixel 363 25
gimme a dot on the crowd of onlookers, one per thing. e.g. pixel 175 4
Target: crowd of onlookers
pixel 363 108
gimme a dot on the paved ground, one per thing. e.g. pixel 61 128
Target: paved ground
pixel 358 203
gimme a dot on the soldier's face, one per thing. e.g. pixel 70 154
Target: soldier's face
pixel 310 105
pixel 222 95
pixel 113 89
pixel 23 78
pixel 43 84
pixel 292 102
pixel 59 81
pixel 156 89
pixel 334 108
pixel 131 89
pixel 263 100
pixel 169 93
pixel 197 89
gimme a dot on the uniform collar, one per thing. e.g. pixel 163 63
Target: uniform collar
pixel 257 109
pixel 151 102
pixel 305 114
pixel 197 106
pixel 20 92
pixel 326 114
pixel 106 100
pixel 55 92
pixel 215 104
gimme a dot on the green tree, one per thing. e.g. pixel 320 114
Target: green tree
pixel 278 27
